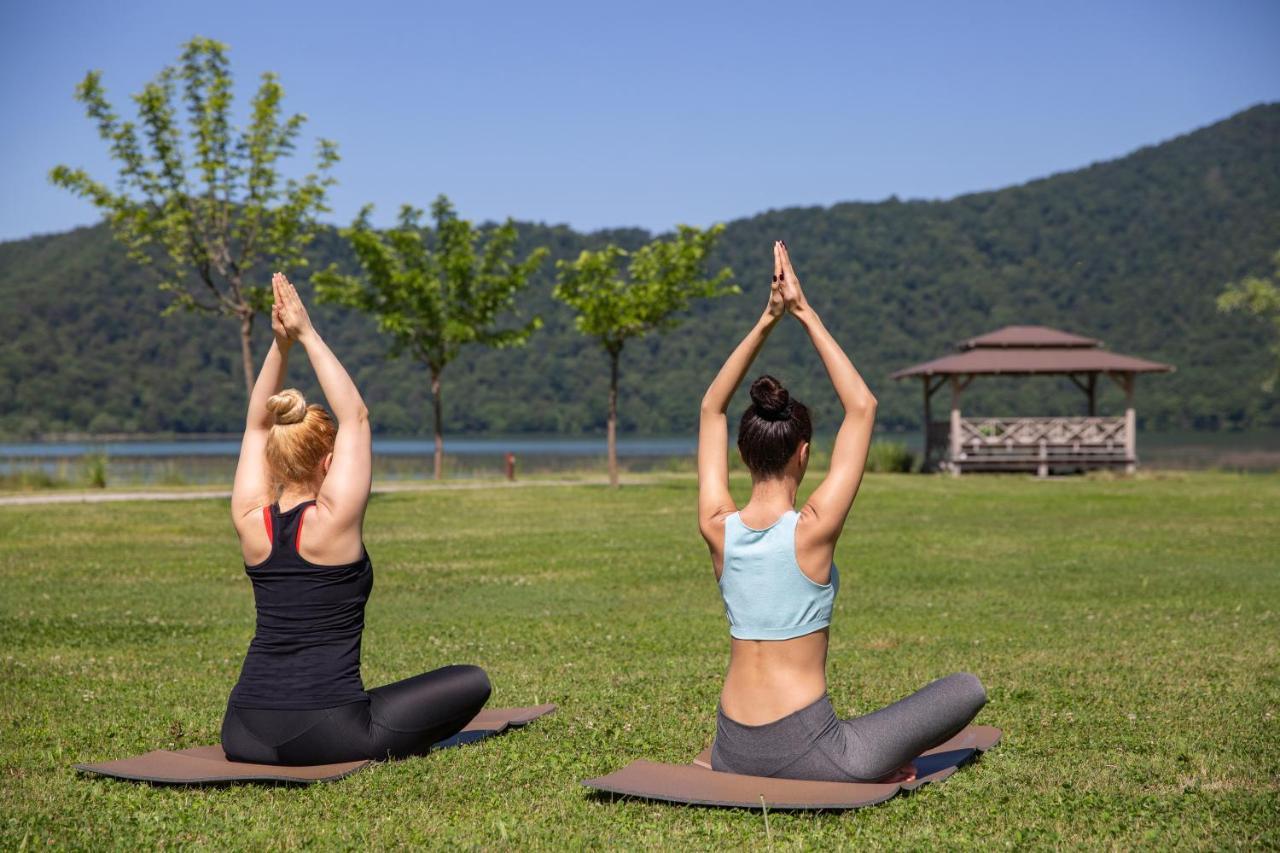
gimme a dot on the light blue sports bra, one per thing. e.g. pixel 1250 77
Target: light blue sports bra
pixel 766 595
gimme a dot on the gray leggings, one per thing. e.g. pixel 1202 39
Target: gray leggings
pixel 813 744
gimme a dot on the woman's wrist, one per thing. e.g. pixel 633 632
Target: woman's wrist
pixel 767 321
pixel 805 314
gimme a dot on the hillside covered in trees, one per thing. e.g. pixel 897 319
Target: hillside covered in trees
pixel 1133 251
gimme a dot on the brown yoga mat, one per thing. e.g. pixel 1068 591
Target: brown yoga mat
pixel 697 784
pixel 204 765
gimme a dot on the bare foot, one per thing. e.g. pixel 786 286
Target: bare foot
pixel 905 773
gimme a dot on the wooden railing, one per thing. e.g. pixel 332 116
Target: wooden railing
pixel 1039 444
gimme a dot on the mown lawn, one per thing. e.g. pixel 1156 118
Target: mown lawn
pixel 1128 632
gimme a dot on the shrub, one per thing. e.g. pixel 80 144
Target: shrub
pixel 890 457
pixel 95 469
pixel 29 480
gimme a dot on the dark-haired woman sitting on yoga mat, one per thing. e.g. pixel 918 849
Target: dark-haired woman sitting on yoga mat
pixel 298 504
pixel 779 583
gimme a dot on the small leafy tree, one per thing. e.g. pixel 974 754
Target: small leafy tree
pixel 435 292
pixel 619 296
pixel 1260 297
pixel 203 209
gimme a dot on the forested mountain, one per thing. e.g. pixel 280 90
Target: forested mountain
pixel 1133 251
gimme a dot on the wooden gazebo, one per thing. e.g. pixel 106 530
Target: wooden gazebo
pixel 1044 445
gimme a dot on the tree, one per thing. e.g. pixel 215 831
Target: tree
pixel 435 292
pixel 1260 297
pixel 614 304
pixel 204 209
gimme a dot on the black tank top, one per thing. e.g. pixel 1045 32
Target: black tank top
pixel 305 652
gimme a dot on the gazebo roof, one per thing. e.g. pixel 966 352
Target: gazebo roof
pixel 1032 350
pixel 1029 336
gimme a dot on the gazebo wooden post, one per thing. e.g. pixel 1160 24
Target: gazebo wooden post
pixel 1090 389
pixel 930 386
pixel 928 425
pixel 953 452
pixel 1130 424
pixel 1127 380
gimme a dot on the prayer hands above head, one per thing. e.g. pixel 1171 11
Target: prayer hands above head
pixel 785 281
pixel 777 304
pixel 283 341
pixel 289 319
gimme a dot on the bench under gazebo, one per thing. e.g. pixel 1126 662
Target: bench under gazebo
pixel 1045 444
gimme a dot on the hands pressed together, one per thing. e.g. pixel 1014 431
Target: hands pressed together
pixel 289 319
pixel 785 294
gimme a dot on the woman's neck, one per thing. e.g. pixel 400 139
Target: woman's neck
pixel 291 496
pixel 775 493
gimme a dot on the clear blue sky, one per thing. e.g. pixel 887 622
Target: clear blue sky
pixel 602 114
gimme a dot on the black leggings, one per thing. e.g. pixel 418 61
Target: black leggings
pixel 397 720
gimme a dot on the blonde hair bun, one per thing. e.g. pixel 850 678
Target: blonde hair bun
pixel 288 407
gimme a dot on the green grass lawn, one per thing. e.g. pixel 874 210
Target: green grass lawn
pixel 1128 632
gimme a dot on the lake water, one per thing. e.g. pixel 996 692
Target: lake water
pixel 208 461
pixel 520 445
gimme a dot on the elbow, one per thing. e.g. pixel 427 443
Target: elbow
pixel 360 415
pixel 708 408
pixel 863 408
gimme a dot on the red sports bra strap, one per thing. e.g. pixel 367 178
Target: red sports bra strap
pixel 266 520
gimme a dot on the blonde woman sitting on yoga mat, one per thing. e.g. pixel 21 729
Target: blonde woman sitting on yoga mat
pixel 779 582
pixel 301 489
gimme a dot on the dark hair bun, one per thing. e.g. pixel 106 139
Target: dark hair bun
pixel 770 400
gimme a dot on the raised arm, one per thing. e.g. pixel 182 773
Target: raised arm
pixel 345 492
pixel 825 512
pixel 714 500
pixel 252 489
